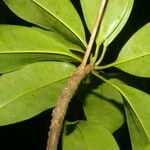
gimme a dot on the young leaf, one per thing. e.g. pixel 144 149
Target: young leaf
pixel 134 58
pixel 137 105
pixel 31 90
pixel 103 106
pixel 20 46
pixel 56 15
pixel 115 13
pixel 85 135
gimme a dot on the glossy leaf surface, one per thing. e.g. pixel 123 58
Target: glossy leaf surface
pixel 56 15
pixel 20 46
pixel 85 135
pixel 60 39
pixel 103 106
pixel 134 58
pixel 121 24
pixel 137 105
pixel 113 16
pixel 31 90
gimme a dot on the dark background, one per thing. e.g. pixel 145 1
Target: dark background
pixel 32 134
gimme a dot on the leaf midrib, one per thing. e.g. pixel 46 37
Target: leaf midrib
pixel 78 37
pixel 39 52
pixel 132 58
pixel 122 19
pixel 132 107
pixel 121 62
pixel 126 97
pixel 136 114
pixel 36 89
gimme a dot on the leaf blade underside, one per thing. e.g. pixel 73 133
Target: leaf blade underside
pixel 31 90
pixel 137 110
pixel 50 15
pixel 134 58
pixel 87 135
pixel 20 46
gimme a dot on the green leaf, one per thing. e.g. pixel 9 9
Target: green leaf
pixel 85 135
pixel 60 39
pixel 103 106
pixel 147 147
pixel 134 57
pixel 137 104
pixel 121 24
pixel 20 46
pixel 56 15
pixel 31 90
pixel 115 14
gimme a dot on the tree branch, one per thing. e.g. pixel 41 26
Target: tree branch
pixel 59 111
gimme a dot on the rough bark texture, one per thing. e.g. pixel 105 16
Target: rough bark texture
pixel 59 112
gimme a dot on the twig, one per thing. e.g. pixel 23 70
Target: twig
pixel 94 32
pixel 59 111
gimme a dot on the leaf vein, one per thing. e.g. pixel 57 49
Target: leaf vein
pixel 17 97
pixel 59 20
